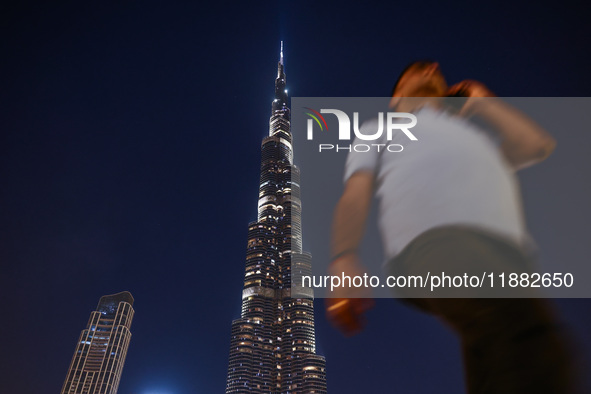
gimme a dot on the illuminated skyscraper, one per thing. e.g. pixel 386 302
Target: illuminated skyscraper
pixel 100 352
pixel 273 346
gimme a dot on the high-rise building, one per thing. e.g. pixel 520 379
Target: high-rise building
pixel 273 345
pixel 100 352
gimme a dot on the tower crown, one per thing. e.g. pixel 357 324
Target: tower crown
pixel 280 101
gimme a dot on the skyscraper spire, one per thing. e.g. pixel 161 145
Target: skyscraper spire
pixel 280 106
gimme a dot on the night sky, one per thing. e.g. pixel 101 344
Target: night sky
pixel 130 147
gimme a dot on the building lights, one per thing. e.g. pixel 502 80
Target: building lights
pixel 98 360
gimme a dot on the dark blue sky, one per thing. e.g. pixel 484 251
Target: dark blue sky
pixel 129 150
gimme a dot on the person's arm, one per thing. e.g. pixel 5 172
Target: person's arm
pixel 345 310
pixel 351 213
pixel 524 142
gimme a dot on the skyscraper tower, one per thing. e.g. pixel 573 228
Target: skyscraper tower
pixel 100 352
pixel 273 345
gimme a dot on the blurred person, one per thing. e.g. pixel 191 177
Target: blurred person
pixel 452 196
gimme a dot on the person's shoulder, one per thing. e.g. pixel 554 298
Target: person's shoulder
pixel 371 122
pixel 430 112
pixel 441 117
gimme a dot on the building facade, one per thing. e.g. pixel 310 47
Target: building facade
pixel 272 347
pixel 101 350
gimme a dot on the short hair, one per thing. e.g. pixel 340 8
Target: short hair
pixel 408 67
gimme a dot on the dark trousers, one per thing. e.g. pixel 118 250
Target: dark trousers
pixel 509 345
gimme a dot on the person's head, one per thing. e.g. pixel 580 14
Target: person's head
pixel 420 79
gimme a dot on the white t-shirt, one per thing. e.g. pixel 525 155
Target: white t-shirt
pixel 454 174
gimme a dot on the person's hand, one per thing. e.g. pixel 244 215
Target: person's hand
pixel 474 90
pixel 470 88
pixel 346 309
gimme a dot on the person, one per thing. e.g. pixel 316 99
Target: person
pixel 451 199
